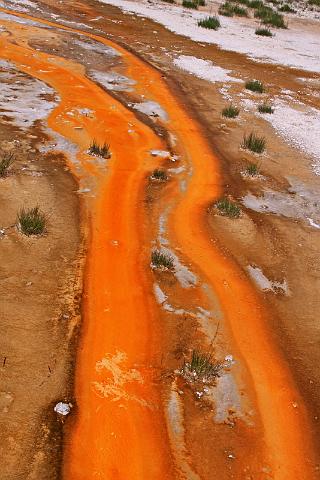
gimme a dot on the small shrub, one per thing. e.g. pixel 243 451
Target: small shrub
pixel 213 23
pixel 201 368
pixel 240 11
pixel 286 9
pixel 159 175
pixel 252 169
pixel 102 150
pixel 263 32
pixel 265 108
pixel 230 112
pixel 255 4
pixel 5 163
pixel 255 86
pixel 314 2
pixel 31 221
pixel 228 208
pixel 270 17
pixel 162 261
pixel 254 143
pixel 228 10
pixel 242 2
pixel 190 4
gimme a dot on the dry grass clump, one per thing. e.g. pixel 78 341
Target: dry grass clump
pixel 230 112
pixel 212 23
pixel 254 143
pixel 159 175
pixel 227 208
pixel 252 169
pixel 5 163
pixel 161 260
pixel 255 86
pixel 263 32
pixel 99 150
pixel 31 221
pixel 265 108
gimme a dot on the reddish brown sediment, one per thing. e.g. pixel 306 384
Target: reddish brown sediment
pixel 127 438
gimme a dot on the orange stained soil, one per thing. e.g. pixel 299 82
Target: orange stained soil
pixel 119 430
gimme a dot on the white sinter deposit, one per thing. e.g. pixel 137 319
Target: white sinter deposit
pixel 204 69
pixel 23 99
pixel 294 47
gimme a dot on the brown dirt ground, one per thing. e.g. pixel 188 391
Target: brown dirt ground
pixel 40 291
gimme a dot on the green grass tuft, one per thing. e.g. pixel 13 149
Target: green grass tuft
pixel 213 23
pixel 255 86
pixel 228 9
pixel 254 143
pixel 252 169
pixel 159 175
pixel 98 150
pixel 201 367
pixel 265 108
pixel 230 112
pixel 269 17
pixel 263 32
pixel 31 221
pixel 255 4
pixel 5 163
pixel 228 208
pixel 162 261
pixel 190 4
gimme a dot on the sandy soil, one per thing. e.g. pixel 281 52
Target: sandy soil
pixel 40 292
pixel 269 431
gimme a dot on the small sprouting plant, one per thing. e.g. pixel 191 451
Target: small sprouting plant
pixel 212 23
pixel 265 108
pixel 161 260
pixel 252 169
pixel 255 86
pixel 263 32
pixel 31 221
pixel 102 150
pixel 201 368
pixel 5 163
pixel 254 143
pixel 230 112
pixel 227 208
pixel 159 175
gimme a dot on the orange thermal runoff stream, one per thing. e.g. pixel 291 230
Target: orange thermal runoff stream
pixel 119 431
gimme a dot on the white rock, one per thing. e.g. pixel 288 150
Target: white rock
pixel 63 408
